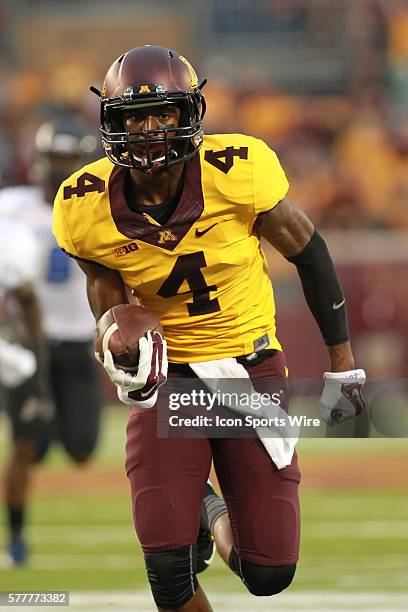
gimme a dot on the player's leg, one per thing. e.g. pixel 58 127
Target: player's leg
pixel 262 501
pixel 167 479
pixel 76 390
pixel 16 482
pixel 31 430
pixel 212 507
pixel 264 512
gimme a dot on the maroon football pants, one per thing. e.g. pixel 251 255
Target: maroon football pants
pixel 168 475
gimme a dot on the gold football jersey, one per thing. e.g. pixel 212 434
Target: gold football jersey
pixel 203 272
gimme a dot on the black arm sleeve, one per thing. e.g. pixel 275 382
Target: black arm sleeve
pixel 322 290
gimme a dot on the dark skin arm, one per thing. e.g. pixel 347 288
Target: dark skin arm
pixel 289 230
pixel 104 287
pixel 32 317
pixel 31 313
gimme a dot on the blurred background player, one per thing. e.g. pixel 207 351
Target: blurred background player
pixel 21 368
pixel 61 146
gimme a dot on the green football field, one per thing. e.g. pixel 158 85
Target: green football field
pixel 354 530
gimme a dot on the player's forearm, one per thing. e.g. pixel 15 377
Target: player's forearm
pixel 32 317
pixel 105 288
pixel 324 296
pixel 341 357
pixel 103 295
pixel 292 233
pixel 31 313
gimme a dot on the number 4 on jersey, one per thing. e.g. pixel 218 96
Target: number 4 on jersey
pixel 215 157
pixel 86 182
pixel 188 268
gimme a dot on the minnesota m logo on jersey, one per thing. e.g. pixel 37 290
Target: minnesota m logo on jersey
pixel 166 236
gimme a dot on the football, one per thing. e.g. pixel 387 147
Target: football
pixel 119 330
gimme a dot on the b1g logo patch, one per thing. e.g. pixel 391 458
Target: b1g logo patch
pixel 125 250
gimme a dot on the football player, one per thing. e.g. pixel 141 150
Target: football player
pixel 22 368
pixel 175 217
pixel 62 145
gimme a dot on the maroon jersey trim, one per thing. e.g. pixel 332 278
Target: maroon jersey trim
pixel 169 235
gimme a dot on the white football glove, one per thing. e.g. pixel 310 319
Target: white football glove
pixel 16 364
pixel 140 389
pixel 342 396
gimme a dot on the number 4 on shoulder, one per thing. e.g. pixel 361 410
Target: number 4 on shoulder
pixel 86 183
pixel 215 157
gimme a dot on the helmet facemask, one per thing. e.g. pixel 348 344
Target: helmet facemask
pixel 179 142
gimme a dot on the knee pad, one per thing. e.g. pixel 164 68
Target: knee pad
pixel 172 576
pixel 78 455
pixel 262 580
pixel 80 450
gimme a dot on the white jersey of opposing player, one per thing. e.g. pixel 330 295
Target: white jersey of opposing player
pixel 21 259
pixel 62 288
pixel 20 264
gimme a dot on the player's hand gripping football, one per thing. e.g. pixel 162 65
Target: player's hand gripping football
pixel 342 396
pixel 141 388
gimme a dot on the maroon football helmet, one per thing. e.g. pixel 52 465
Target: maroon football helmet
pixel 146 77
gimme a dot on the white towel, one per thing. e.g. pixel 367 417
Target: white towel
pixel 278 441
